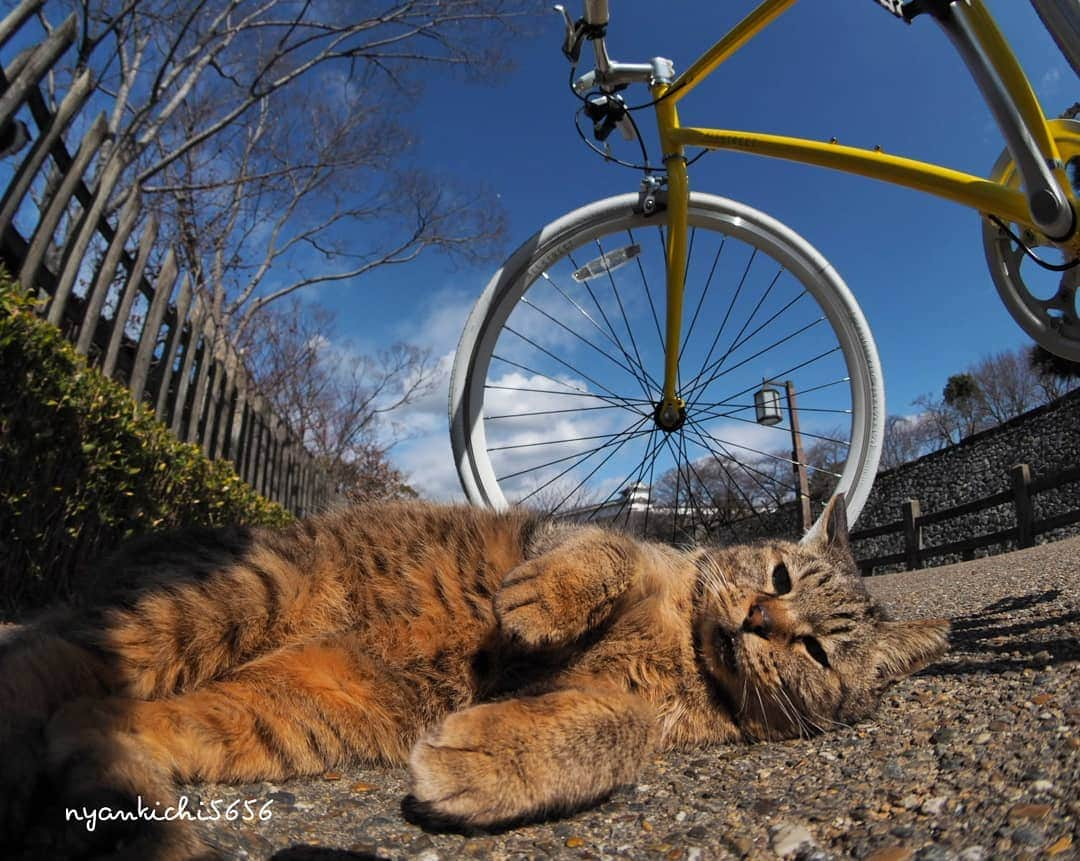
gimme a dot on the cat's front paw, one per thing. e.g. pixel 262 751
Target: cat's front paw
pixel 460 782
pixel 523 608
pixel 538 605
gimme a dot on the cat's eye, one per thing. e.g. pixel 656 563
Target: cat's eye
pixel 781 580
pixel 815 650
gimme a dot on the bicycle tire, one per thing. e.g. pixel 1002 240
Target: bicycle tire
pixel 555 245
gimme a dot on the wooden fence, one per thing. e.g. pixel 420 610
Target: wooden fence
pixel 913 522
pixel 156 336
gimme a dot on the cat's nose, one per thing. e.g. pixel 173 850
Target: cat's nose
pixel 758 620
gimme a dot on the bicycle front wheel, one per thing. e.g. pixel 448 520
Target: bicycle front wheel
pixel 558 375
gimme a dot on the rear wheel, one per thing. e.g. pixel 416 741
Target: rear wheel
pixel 557 379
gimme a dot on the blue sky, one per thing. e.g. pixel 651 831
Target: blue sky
pixel 829 68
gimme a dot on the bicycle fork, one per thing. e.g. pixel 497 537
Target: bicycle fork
pixel 671 409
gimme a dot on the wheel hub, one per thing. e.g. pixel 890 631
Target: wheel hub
pixel 670 417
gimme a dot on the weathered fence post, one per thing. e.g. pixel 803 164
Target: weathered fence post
pixel 1025 513
pixel 913 534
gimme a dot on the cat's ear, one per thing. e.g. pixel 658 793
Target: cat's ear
pixel 904 648
pixel 831 530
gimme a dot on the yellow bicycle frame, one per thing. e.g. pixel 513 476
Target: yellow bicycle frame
pixel 986 196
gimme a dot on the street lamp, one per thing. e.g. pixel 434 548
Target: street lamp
pixel 767 405
pixel 767 410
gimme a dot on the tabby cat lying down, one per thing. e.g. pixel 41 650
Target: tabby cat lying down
pixel 521 668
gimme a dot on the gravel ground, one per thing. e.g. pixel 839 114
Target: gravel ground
pixel 977 757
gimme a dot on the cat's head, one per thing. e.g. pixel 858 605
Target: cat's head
pixel 792 638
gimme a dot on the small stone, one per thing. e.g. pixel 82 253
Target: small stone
pixel 998 726
pixel 332 775
pixel 909 802
pixel 902 830
pixel 933 806
pixel 694 853
pixel 698 832
pixel 428 855
pixel 1031 812
pixel 1042 785
pixel 983 738
pixel 360 786
pixel 933 853
pixel 574 842
pixel 646 825
pixel 1042 699
pixel 286 799
pixel 942 736
pixel 1027 836
pixel 787 838
pixel 1060 845
pixel 972 853
pixel 891 853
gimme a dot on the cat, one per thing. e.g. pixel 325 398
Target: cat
pixel 522 668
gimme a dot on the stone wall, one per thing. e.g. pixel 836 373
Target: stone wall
pixel 1047 438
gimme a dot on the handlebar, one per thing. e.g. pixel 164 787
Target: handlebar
pixel 608 74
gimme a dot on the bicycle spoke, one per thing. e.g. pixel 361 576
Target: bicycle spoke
pixel 720 462
pixel 534 413
pixel 562 362
pixel 701 299
pixel 802 432
pixel 742 408
pixel 752 472
pixel 788 372
pixel 622 311
pixel 548 442
pixel 631 430
pixel 625 403
pixel 648 292
pixel 727 316
pixel 736 344
pixel 778 343
pixel 724 442
pixel 625 484
pixel 595 469
pixel 584 340
pixel 551 282
pixel 603 314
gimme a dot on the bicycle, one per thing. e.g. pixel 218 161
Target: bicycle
pixel 675 467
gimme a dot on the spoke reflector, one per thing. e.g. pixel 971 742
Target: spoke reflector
pixel 606 263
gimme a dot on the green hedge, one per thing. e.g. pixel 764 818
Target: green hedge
pixel 82 467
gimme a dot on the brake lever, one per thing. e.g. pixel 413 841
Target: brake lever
pixel 575 33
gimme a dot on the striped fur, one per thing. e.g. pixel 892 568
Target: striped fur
pixel 521 668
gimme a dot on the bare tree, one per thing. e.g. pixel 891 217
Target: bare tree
pixel 264 133
pixel 906 438
pixel 1008 385
pixel 337 400
pixel 1056 375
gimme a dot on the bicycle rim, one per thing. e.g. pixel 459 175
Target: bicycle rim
pixel 559 371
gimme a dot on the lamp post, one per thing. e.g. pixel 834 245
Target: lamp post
pixel 767 412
